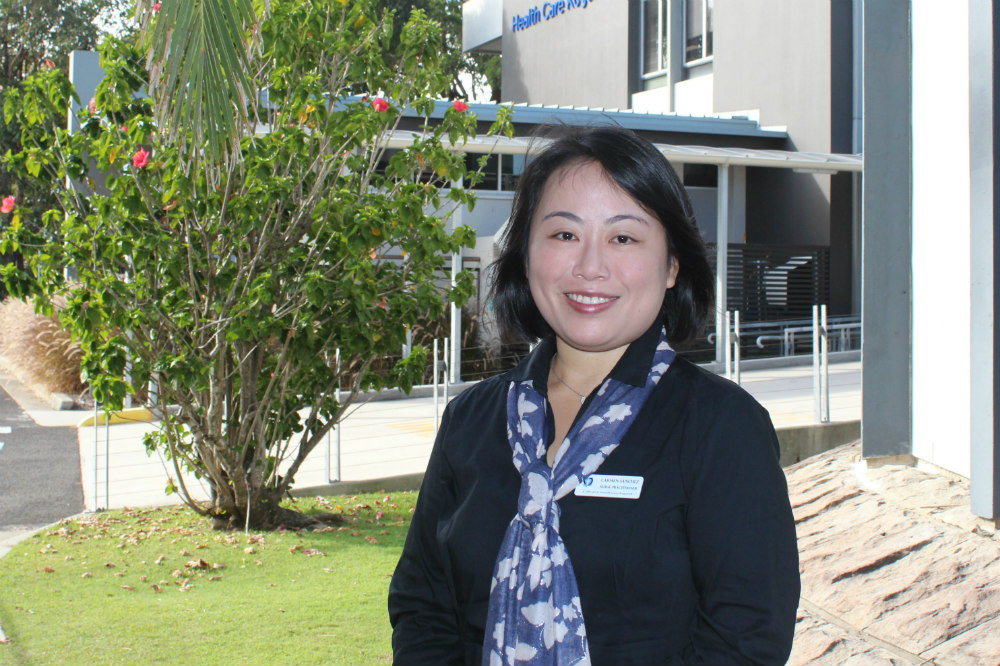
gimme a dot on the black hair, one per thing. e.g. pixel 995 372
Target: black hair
pixel 642 171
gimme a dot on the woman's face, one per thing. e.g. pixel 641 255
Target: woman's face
pixel 597 260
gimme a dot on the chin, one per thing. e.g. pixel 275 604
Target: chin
pixel 594 345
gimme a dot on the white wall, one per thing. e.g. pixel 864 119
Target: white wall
pixel 490 212
pixel 694 97
pixel 941 234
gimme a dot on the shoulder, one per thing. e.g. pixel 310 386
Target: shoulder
pixel 721 421
pixel 706 390
pixel 473 431
pixel 476 407
pixel 486 391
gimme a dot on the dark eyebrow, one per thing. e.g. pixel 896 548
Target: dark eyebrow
pixel 626 216
pixel 563 213
pixel 611 220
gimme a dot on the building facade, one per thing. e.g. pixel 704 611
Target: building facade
pixel 784 63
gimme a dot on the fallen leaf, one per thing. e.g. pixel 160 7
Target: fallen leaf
pixel 176 573
pixel 87 574
pixel 143 579
pixel 371 539
pixel 185 553
pixel 48 570
pixel 297 547
pixel 196 564
pixel 156 588
pixel 109 565
pixel 215 577
pixel 249 550
pixel 218 565
pixel 310 552
pixel 128 587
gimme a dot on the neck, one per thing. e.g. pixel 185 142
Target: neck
pixel 584 369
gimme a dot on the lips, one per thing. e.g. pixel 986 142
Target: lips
pixel 589 304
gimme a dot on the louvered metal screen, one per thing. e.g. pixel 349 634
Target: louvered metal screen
pixel 770 282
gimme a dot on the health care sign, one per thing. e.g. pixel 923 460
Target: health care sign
pixel 549 10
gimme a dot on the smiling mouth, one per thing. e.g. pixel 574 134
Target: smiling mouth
pixel 590 300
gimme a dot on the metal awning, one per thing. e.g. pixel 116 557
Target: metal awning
pixel 776 159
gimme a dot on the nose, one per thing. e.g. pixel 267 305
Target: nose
pixel 591 263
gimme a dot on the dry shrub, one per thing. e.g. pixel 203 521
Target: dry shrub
pixel 38 349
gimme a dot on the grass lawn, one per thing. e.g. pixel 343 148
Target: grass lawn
pixel 159 586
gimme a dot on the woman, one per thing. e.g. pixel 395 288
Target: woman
pixel 604 502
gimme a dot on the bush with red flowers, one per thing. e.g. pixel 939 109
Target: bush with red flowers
pixel 241 292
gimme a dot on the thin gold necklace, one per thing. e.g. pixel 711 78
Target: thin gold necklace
pixel 562 381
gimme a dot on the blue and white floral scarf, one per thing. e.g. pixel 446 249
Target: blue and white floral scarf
pixel 535 617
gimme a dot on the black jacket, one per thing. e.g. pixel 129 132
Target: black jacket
pixel 702 568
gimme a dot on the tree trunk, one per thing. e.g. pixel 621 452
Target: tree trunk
pixel 266 513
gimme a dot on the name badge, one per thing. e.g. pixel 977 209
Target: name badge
pixel 617 486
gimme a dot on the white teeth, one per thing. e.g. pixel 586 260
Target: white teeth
pixel 589 300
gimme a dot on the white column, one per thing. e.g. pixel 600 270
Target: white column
pixel 721 261
pixel 984 476
pixel 455 363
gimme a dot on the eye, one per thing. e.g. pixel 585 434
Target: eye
pixel 564 236
pixel 623 239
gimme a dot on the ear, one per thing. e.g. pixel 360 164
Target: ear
pixel 672 272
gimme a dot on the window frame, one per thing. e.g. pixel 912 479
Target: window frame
pixel 663 37
pixel 706 11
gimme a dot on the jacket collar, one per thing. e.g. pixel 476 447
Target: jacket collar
pixel 632 368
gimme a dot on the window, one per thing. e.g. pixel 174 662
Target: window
pixel 654 42
pixel 499 172
pixel 488 173
pixel 697 30
pixel 700 175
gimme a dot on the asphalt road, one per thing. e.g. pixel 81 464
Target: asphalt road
pixel 39 470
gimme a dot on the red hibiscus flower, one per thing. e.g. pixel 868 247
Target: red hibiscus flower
pixel 460 106
pixel 380 105
pixel 7 205
pixel 140 159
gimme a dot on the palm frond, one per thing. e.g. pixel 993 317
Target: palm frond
pixel 200 58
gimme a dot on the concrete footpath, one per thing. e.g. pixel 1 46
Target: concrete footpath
pixel 386 443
